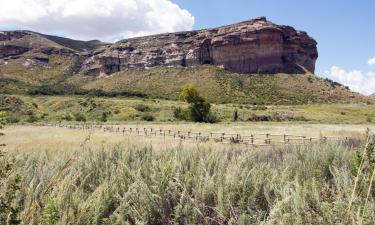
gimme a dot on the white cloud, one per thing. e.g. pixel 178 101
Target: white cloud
pixel 371 61
pixel 355 79
pixel 93 19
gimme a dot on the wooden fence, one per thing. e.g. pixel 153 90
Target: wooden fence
pixel 255 139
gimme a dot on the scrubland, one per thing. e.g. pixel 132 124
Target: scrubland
pixel 82 177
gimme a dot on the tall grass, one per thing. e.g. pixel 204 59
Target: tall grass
pixel 128 184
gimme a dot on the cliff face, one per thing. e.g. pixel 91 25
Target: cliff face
pixel 255 46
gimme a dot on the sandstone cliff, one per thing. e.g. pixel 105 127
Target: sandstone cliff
pixel 255 46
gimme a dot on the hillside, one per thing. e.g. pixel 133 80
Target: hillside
pixel 221 86
pixel 38 64
pixel 218 85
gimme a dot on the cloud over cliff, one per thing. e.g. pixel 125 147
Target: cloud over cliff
pixel 92 19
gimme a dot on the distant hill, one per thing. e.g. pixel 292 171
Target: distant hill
pixel 74 44
pixel 37 64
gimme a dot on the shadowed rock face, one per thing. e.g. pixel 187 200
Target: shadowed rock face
pixel 255 46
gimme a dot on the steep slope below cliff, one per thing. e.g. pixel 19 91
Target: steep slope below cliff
pixel 220 86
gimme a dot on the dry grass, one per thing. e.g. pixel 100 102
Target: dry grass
pixel 33 137
pixel 116 179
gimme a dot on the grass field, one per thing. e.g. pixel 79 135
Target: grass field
pixel 34 137
pixel 66 178
pixel 125 109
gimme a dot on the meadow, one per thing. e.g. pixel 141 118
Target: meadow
pixel 53 172
pixel 64 176
pixel 137 110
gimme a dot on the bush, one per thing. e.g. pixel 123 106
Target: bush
pixel 10 185
pixel 79 117
pixel 199 109
pixel 143 108
pixel 181 114
pixel 105 116
pixel 13 118
pixel 32 118
pixel 148 117
pixel 259 118
pixel 212 118
pixel 67 117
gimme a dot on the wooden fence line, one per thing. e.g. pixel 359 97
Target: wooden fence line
pixel 256 139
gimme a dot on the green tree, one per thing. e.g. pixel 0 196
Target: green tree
pixel 190 94
pixel 199 109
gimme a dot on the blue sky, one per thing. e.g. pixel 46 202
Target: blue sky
pixel 344 29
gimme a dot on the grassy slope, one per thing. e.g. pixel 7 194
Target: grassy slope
pixel 220 86
pixel 74 44
pixel 22 74
pixel 53 108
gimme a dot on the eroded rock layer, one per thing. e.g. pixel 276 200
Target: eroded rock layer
pixel 255 46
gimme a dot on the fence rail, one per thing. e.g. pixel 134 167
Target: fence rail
pixel 254 139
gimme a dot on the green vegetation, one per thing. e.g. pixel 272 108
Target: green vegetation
pixel 120 109
pixel 214 84
pixel 199 108
pixel 10 184
pixel 128 184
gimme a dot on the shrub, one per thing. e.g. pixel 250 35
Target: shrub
pixel 32 118
pixel 12 118
pixel 10 184
pixel 67 117
pixel 181 114
pixel 259 118
pixel 44 115
pixel 105 116
pixel 148 117
pixel 212 118
pixel 143 108
pixel 79 117
pixel 199 109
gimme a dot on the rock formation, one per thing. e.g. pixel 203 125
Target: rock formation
pixel 255 46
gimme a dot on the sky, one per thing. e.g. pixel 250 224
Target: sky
pixel 344 29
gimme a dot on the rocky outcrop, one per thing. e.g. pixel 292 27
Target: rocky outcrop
pixel 255 46
pixel 15 43
pixel 11 50
pixel 11 35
